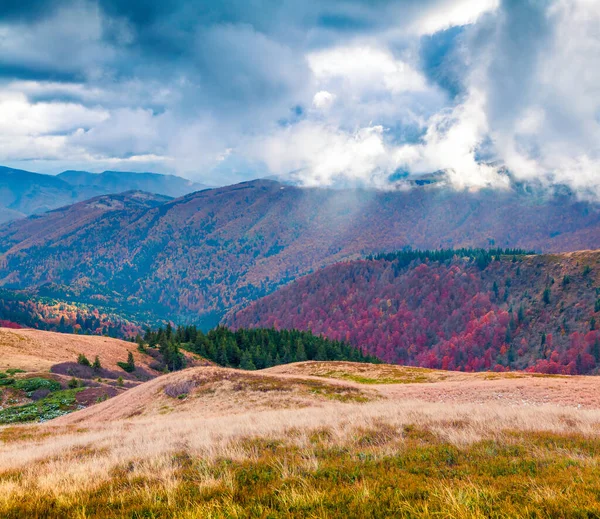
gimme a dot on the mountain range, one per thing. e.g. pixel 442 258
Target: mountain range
pixel 24 193
pixel 198 256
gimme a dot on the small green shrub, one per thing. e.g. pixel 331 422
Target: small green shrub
pixel 53 406
pixel 32 384
pixel 14 371
pixel 73 383
pixel 83 360
pixel 128 366
pixel 7 381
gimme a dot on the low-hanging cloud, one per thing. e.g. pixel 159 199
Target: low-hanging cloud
pixel 345 91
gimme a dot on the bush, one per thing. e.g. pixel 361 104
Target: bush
pixel 73 383
pixel 128 366
pixel 83 360
pixel 96 365
pixel 7 381
pixel 32 384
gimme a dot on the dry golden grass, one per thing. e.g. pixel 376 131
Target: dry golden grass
pixel 38 351
pixel 213 442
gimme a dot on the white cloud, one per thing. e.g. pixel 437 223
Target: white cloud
pixel 320 154
pixel 365 68
pixel 451 143
pixel 18 116
pixel 323 99
pixel 443 15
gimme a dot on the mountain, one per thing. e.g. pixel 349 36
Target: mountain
pixel 119 181
pixel 452 312
pixel 23 193
pixel 195 257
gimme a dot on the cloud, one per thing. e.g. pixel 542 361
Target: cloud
pixel 347 90
pixel 318 154
pixel 444 15
pixel 365 68
pixel 323 99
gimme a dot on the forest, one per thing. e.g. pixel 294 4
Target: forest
pixel 450 310
pixel 195 258
pixel 249 349
pixel 23 310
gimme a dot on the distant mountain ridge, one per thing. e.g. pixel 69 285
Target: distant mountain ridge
pixel 194 258
pixel 23 193
pixel 119 181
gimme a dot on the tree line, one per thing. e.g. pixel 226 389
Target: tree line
pixel 482 257
pixel 249 348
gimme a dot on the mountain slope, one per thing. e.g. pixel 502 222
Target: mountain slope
pixel 197 256
pixel 540 312
pixel 119 181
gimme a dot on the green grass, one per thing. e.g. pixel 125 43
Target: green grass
pixel 372 476
pixel 54 405
pixel 404 376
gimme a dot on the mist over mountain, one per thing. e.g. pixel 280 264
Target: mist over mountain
pixel 195 257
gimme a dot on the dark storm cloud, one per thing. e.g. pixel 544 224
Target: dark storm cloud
pixel 28 9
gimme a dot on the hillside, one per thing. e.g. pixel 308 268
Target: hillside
pixel 540 312
pixel 24 193
pixel 315 439
pixel 23 309
pixel 44 375
pixel 195 257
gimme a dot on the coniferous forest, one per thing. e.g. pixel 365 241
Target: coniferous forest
pixel 249 349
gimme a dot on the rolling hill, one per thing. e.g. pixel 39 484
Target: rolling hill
pixel 195 257
pixel 539 312
pixel 322 439
pixel 44 375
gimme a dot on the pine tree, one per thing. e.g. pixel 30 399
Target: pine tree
pixel 300 351
pixel 246 361
pixel 131 361
pixel 83 360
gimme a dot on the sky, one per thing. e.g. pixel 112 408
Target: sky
pixel 342 91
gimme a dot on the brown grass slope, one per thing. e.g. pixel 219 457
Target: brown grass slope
pixel 38 351
pixel 315 439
